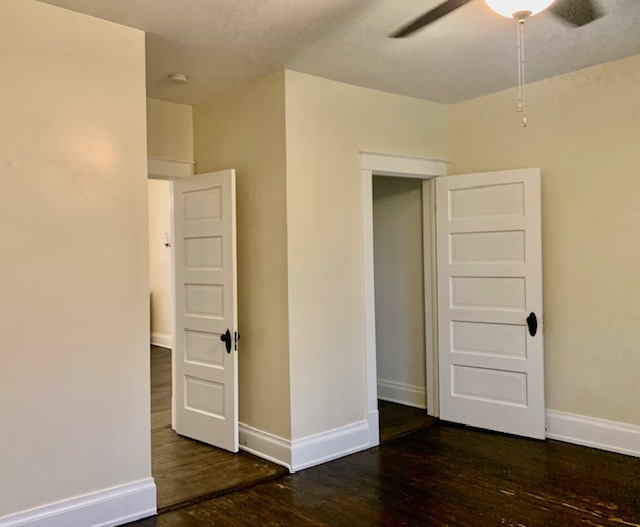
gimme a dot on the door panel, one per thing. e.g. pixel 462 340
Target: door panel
pixel 489 280
pixel 205 375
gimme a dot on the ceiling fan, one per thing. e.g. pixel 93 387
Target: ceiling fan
pixel 574 12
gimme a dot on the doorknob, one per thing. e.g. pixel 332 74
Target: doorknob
pixel 532 324
pixel 226 338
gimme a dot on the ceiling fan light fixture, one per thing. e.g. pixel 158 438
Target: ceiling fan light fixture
pixel 514 8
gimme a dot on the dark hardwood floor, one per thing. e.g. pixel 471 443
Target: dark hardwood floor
pixel 397 420
pixel 441 475
pixel 187 471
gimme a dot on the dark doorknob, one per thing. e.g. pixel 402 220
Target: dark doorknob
pixel 226 338
pixel 532 324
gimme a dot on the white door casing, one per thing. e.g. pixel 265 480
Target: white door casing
pixel 205 398
pixel 400 166
pixel 489 268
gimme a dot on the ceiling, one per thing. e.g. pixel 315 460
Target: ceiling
pixel 220 44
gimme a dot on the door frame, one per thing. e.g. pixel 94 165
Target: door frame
pixel 376 164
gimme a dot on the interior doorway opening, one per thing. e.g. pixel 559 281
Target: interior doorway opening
pixel 489 287
pixel 160 266
pixel 424 170
pixel 401 239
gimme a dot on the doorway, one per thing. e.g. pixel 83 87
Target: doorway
pixel 489 288
pixel 401 274
pixel 421 170
pixel 184 470
pixel 160 267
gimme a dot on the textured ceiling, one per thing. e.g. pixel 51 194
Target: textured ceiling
pixel 219 44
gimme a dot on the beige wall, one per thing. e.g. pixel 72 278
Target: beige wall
pixel 160 256
pixel 169 136
pixel 399 289
pixel 74 411
pixel 584 132
pixel 245 130
pixel 169 130
pixel 328 124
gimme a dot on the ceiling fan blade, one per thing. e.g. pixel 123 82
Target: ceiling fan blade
pixel 437 12
pixel 576 12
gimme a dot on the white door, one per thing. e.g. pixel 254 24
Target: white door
pixel 205 367
pixel 489 293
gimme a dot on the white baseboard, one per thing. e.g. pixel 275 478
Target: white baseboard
pixel 265 445
pixel 161 339
pixel 327 446
pixel 400 393
pixel 312 450
pixel 373 419
pixel 105 508
pixel 595 433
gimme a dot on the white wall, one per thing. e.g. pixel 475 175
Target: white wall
pixel 399 290
pixel 74 411
pixel 169 130
pixel 244 129
pixel 295 141
pixel 160 261
pixel 169 136
pixel 584 132
pixel 328 123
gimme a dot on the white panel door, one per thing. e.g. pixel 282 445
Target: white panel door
pixel 489 283
pixel 205 363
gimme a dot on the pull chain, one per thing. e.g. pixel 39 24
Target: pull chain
pixel 521 77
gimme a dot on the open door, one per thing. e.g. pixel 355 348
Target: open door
pixel 489 262
pixel 205 367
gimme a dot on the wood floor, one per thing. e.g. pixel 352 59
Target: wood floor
pixel 440 476
pixel 187 471
pixel 397 420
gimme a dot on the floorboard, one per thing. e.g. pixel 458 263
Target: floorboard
pixel 426 473
pixel 443 475
pixel 397 420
